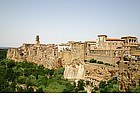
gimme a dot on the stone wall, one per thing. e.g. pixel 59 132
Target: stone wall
pixel 66 57
pixel 40 54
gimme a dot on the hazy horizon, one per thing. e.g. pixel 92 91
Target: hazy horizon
pixel 59 21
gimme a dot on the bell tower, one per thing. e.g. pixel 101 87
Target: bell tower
pixel 37 40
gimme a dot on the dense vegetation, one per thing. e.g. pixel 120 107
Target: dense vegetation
pixel 3 53
pixel 111 86
pixel 29 77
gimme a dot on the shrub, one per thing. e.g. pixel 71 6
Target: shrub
pixel 100 62
pixel 93 61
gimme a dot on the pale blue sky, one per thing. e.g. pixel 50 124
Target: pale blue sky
pixel 59 21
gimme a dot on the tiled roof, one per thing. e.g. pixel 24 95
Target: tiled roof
pixel 136 54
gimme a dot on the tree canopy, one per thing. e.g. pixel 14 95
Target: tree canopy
pixel 29 77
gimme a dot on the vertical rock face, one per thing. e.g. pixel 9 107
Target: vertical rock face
pixel 74 70
pixel 129 74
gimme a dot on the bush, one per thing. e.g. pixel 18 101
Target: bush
pixel 93 61
pixel 3 53
pixel 110 86
pixel 21 79
pixel 100 62
pixel 81 85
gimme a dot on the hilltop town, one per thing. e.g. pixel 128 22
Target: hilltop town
pixel 92 61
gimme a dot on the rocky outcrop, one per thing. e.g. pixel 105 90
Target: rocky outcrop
pixel 77 70
pixel 100 70
pixel 74 70
pixel 129 74
pixel 95 73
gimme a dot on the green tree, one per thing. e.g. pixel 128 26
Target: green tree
pixel 30 81
pixel 21 79
pixel 42 80
pixel 55 87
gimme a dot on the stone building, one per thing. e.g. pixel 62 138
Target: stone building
pixel 41 54
pixel 64 46
pixel 108 50
pixel 130 40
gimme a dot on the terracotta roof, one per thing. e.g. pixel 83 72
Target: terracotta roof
pixel 136 54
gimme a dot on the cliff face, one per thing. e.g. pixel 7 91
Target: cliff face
pixel 74 70
pixel 94 73
pixel 40 54
pixel 100 70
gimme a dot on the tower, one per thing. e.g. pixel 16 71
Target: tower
pixel 101 41
pixel 37 40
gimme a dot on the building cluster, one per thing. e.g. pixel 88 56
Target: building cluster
pixel 75 55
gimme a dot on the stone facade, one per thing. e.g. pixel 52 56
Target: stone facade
pixel 41 54
pixel 64 47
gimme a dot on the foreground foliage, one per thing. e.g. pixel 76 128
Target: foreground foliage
pixel 111 86
pixel 3 53
pixel 29 77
